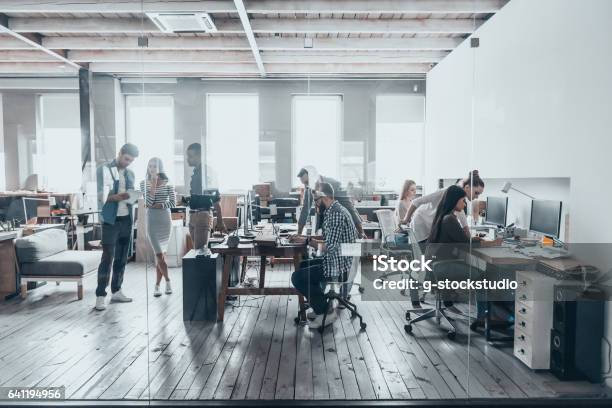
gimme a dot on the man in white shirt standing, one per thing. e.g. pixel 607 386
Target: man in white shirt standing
pixel 115 180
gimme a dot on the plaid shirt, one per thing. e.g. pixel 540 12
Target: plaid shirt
pixel 338 229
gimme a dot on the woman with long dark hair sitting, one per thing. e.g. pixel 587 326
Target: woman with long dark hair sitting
pixel 448 241
pixel 422 212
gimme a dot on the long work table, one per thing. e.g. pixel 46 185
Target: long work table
pixel 295 251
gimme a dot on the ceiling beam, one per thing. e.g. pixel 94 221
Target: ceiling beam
pixel 272 43
pixel 34 41
pixel 25 56
pixel 115 6
pixel 233 69
pixel 196 56
pixel 261 25
pixel 22 68
pixel 258 6
pixel 384 26
pixel 12 43
pixel 379 6
pixel 83 25
pixel 246 24
pixel 160 43
pixel 210 56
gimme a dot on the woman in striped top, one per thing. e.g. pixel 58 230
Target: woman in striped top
pixel 159 197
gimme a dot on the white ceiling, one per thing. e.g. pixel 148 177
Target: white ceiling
pixel 254 38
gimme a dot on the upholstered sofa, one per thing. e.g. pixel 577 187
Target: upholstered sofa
pixel 44 256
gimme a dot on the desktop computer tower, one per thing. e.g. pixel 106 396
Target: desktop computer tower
pixel 577 332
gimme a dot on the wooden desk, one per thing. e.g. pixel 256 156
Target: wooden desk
pixel 502 256
pixel 8 264
pixel 34 228
pixel 370 228
pixel 284 251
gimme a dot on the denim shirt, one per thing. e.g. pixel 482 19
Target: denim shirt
pixel 107 175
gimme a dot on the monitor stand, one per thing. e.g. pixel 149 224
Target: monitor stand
pixel 246 234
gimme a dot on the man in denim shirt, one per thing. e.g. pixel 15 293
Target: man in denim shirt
pixel 114 181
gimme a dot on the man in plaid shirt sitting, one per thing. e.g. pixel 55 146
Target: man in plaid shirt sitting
pixel 311 278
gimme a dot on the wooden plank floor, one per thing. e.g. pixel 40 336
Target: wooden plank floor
pixel 52 339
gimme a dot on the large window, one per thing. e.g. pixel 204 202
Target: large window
pixel 58 143
pixel 267 161
pixel 399 139
pixel 352 162
pixel 317 132
pixel 232 139
pixel 150 126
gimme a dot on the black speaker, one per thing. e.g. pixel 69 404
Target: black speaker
pixel 590 309
pixel 576 336
pixel 562 356
pixel 564 309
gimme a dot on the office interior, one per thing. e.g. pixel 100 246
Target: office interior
pixel 370 94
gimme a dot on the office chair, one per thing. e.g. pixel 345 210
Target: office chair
pixel 388 244
pixel 335 292
pixel 438 311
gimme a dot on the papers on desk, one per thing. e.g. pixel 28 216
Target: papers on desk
pixel 545 252
pixel 134 196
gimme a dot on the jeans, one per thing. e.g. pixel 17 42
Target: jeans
pixel 310 281
pixel 457 271
pixel 116 239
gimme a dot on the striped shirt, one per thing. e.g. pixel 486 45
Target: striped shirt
pixel 163 194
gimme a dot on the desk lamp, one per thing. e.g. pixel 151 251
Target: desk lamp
pixel 508 186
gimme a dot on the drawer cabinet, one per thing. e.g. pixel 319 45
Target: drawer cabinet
pixel 533 316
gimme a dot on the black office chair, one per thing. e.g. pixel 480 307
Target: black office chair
pixel 338 291
pixel 335 293
pixel 438 311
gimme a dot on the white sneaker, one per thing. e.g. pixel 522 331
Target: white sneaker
pixel 100 303
pixel 310 313
pixel 157 291
pixel 120 297
pixel 168 288
pixel 318 321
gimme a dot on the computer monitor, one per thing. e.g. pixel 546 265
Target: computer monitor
pixel 546 217
pixel 497 211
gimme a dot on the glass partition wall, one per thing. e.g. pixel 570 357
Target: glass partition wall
pixel 185 207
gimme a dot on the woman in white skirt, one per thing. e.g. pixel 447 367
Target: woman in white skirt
pixel 160 196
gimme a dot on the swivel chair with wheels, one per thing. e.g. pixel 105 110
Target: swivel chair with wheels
pixel 337 292
pixel 334 293
pixel 439 311
pixel 389 244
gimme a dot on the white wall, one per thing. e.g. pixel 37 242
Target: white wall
pixel 539 91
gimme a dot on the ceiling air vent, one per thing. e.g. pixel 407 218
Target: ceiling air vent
pixel 183 22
